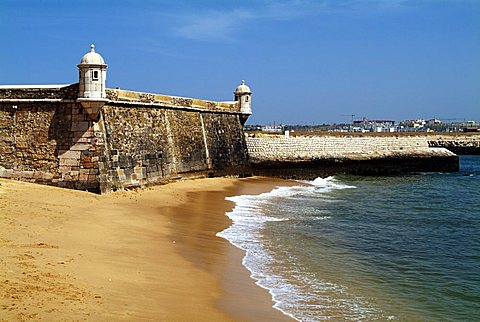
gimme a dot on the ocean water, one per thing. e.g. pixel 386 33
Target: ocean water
pixel 399 248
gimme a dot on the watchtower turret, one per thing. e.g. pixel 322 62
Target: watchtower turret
pixel 243 95
pixel 92 76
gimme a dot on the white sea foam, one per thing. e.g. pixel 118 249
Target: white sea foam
pixel 329 184
pixel 296 292
pixel 321 217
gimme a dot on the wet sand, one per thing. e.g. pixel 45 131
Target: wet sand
pixel 149 254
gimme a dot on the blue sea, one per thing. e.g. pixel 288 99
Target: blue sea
pixel 399 248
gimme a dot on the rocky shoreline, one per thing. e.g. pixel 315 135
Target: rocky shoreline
pixel 458 146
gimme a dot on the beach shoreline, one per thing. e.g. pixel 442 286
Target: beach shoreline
pixel 145 254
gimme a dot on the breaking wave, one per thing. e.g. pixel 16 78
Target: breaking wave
pixel 297 292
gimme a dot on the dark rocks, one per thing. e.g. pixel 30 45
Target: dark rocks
pixel 462 146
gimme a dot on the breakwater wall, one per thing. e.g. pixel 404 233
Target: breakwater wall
pixel 457 142
pixel 134 139
pixel 313 156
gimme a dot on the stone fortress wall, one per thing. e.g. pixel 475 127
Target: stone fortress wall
pixel 148 144
pixel 85 136
pixel 136 138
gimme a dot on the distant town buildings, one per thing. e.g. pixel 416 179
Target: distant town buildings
pixel 373 126
pixel 366 125
pixel 273 129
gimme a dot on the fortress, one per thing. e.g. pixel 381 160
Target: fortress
pixel 89 137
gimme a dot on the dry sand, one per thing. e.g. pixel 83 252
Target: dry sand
pixel 136 256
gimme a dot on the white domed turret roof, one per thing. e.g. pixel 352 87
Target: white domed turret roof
pixel 242 88
pixel 92 58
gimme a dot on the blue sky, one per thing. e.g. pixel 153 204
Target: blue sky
pixel 307 62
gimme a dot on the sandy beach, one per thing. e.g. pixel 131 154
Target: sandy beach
pixel 148 254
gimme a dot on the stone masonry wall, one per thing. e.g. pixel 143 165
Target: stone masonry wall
pixel 49 142
pixel 153 144
pixel 226 143
pixel 56 143
pixel 60 92
pixel 318 147
pixel 46 137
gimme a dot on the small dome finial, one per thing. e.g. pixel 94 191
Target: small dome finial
pixel 92 58
pixel 242 88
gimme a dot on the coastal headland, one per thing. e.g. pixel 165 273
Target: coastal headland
pixel 147 254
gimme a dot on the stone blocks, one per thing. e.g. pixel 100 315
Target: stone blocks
pixel 316 147
pixel 149 145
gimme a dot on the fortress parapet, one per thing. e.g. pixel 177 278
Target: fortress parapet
pixel 70 93
pixel 125 97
